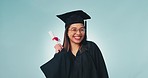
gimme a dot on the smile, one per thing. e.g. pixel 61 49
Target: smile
pixel 77 37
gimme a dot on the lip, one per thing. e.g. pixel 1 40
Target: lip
pixel 77 37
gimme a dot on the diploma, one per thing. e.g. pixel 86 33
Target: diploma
pixel 53 37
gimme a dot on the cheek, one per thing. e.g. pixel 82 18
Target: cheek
pixel 69 35
pixel 83 34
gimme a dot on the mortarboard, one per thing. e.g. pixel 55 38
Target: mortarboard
pixel 72 17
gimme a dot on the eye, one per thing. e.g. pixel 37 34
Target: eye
pixel 82 29
pixel 73 29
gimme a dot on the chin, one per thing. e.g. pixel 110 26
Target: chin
pixel 77 41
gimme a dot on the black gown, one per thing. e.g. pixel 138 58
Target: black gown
pixel 88 63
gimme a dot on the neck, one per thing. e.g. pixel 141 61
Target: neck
pixel 74 48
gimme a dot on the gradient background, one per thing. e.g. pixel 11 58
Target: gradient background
pixel 118 27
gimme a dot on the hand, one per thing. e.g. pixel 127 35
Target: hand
pixel 58 47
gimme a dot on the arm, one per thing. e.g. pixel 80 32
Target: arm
pixel 99 62
pixel 54 67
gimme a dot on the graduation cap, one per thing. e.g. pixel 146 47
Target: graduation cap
pixel 72 17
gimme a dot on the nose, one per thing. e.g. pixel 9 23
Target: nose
pixel 78 32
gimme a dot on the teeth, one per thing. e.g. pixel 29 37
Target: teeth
pixel 77 37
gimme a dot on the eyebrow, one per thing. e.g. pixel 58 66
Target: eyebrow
pixel 76 27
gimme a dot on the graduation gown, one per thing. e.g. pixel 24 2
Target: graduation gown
pixel 88 63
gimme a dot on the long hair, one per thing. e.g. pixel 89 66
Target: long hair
pixel 66 42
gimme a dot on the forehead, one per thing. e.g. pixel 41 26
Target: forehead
pixel 76 25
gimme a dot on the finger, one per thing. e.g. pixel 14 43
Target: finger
pixel 57 51
pixel 60 47
pixel 56 46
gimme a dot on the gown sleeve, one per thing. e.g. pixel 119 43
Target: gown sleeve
pixel 52 69
pixel 99 61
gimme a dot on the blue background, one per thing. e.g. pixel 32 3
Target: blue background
pixel 118 27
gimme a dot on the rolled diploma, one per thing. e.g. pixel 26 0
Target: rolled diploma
pixel 54 38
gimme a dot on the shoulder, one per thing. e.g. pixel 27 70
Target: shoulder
pixel 91 44
pixel 93 47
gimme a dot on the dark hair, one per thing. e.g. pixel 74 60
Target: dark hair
pixel 66 42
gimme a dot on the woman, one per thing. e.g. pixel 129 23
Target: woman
pixel 77 58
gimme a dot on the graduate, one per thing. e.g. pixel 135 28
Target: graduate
pixel 77 57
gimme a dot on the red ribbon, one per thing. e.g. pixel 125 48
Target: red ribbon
pixel 55 38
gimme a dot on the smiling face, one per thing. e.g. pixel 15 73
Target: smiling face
pixel 76 33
